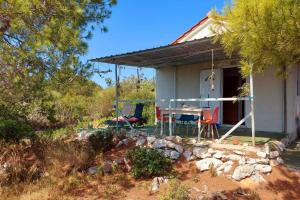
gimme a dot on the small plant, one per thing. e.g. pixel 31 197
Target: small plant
pixel 112 192
pixel 66 158
pixel 148 163
pixel 195 179
pixel 176 191
pixel 101 140
pixel 254 195
pixel 212 170
pixel 14 131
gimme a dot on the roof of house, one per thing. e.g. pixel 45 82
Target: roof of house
pixel 190 30
pixel 190 52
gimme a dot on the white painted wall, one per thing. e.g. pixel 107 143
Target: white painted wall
pixel 187 82
pixel 201 31
pixel 268 93
pixel 165 86
pixel 292 103
pixel 268 102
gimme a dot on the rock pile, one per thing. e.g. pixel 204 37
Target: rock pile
pixel 236 164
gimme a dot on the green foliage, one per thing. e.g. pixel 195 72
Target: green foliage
pixel 40 45
pixel 264 33
pixel 13 131
pixel 101 140
pixel 148 163
pixel 144 91
pixel 176 191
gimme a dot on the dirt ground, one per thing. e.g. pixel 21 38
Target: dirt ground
pixel 282 183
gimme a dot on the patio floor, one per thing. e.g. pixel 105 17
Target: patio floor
pixel 243 135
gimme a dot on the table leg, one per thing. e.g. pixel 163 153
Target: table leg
pixel 161 127
pixel 170 123
pixel 199 127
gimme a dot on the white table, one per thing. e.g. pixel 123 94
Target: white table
pixel 182 111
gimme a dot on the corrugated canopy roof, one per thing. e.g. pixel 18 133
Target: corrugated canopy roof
pixel 190 52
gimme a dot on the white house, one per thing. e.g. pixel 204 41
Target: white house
pixel 182 70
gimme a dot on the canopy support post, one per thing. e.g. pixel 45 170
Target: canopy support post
pixel 117 96
pixel 252 107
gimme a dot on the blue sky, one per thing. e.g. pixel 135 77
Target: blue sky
pixel 140 24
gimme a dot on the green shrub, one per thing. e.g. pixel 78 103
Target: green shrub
pixel 148 163
pixel 101 140
pixel 176 191
pixel 13 131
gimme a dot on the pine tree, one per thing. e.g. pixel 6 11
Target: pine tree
pixel 265 33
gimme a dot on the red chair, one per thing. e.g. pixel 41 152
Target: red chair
pixel 210 121
pixel 160 118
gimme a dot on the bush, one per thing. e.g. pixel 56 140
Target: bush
pixel 13 131
pixel 64 158
pixel 101 140
pixel 18 163
pixel 148 163
pixel 176 191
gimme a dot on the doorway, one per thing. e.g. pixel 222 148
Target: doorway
pixel 233 112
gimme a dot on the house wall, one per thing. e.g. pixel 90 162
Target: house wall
pixel 292 102
pixel 201 31
pixel 268 92
pixel 268 102
pixel 165 86
pixel 188 82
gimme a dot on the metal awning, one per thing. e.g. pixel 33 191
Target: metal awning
pixel 191 52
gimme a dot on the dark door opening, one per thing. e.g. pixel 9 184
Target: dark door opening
pixel 233 112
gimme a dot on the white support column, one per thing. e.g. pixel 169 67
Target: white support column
pixel 252 108
pixel 117 96
pixel 170 119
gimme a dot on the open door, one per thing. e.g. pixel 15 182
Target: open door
pixel 233 112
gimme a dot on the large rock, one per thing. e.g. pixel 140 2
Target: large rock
pixel 107 167
pixel 174 155
pixel 277 161
pixel 92 170
pixel 170 138
pixel 167 152
pixel 126 141
pixel 198 151
pixel 263 168
pixel 120 143
pixel 261 154
pixel 239 153
pixel 204 164
pixel 242 161
pixel 232 157
pixel 218 154
pixel 140 142
pixel 170 144
pixel 226 166
pixel 159 143
pixel 188 155
pixel 258 161
pixel 150 139
pixel 257 178
pixel 274 154
pixel 178 139
pixel 178 148
pixel 206 155
pixel 243 171
pixel 156 182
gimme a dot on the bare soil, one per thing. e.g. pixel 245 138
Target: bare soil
pixel 282 184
